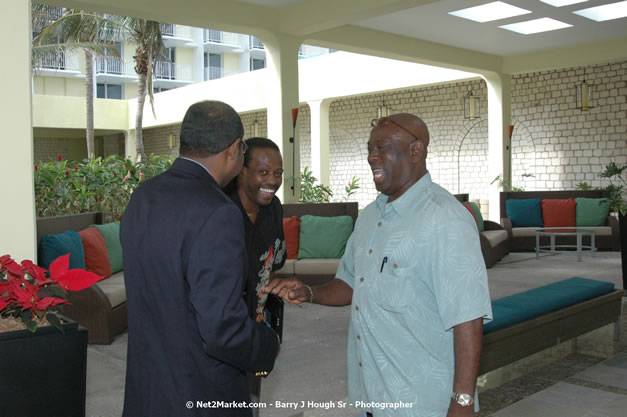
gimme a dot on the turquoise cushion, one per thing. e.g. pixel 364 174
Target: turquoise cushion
pixel 111 234
pixel 524 213
pixel 526 305
pixel 478 216
pixel 323 237
pixel 591 211
pixel 53 246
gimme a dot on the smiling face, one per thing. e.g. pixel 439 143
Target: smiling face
pixel 258 182
pixel 396 159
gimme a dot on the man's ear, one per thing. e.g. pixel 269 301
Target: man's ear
pixel 233 150
pixel 417 150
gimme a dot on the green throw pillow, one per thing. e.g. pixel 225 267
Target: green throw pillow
pixel 111 234
pixel 591 211
pixel 478 216
pixel 323 237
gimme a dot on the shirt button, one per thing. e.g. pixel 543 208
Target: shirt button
pixel 358 338
pixel 369 250
pixel 379 224
pixel 395 266
pixel 360 365
pixel 361 279
pixel 356 307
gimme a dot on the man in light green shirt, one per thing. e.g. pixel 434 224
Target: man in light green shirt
pixel 416 281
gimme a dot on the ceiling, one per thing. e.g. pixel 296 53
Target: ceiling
pixel 414 30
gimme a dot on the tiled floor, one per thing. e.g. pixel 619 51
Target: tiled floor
pixel 312 364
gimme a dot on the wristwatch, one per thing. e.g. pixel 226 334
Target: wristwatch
pixel 462 399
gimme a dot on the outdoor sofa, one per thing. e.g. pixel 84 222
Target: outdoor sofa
pixel 524 212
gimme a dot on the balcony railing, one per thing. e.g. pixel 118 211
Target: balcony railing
pixel 255 43
pixel 115 65
pixel 211 35
pixel 172 71
pixel 167 29
pixel 57 61
pixel 213 73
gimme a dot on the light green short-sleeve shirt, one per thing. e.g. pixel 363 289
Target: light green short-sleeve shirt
pixel 416 270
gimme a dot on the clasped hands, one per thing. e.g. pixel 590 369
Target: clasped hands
pixel 290 289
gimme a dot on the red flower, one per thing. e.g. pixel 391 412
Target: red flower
pixel 75 167
pixel 35 271
pixel 27 297
pixel 35 167
pixel 67 172
pixel 12 267
pixel 71 279
pixel 128 175
pixel 59 157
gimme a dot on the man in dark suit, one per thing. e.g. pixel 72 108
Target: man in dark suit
pixel 191 341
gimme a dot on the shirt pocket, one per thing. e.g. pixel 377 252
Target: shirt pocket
pixel 392 290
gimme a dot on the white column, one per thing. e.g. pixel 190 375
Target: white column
pixel 130 143
pixel 282 97
pixel 17 218
pixel 499 146
pixel 319 110
pixel 199 55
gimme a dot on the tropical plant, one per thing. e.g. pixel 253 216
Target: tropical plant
pixel 507 185
pixel 351 188
pixel 312 192
pixel 61 31
pixel 613 172
pixel 97 184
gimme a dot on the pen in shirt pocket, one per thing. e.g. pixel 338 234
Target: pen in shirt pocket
pixel 385 259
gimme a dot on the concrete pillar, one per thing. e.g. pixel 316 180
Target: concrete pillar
pixel 282 97
pixel 499 142
pixel 17 218
pixel 199 55
pixel 319 110
pixel 130 143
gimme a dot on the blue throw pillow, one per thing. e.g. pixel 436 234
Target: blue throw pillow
pixel 53 246
pixel 524 213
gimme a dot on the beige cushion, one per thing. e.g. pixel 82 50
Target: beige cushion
pixel 531 231
pixel 316 266
pixel 113 288
pixel 288 267
pixel 495 236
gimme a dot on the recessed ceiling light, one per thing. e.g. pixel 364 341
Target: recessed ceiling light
pixel 560 3
pixel 607 12
pixel 489 12
pixel 536 26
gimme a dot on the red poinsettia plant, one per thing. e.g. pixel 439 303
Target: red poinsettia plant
pixel 29 293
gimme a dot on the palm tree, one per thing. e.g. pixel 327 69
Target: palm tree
pixel 67 30
pixel 147 36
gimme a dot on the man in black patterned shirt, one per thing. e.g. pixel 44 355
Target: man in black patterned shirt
pixel 254 192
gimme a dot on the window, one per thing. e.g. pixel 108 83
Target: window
pixel 256 64
pixel 110 91
pixel 213 66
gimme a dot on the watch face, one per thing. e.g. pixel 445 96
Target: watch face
pixel 463 399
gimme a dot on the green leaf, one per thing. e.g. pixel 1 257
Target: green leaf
pixel 53 319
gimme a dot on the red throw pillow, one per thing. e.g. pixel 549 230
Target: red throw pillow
pixel 469 208
pixel 559 213
pixel 96 256
pixel 291 231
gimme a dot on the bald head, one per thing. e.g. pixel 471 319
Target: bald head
pixel 414 124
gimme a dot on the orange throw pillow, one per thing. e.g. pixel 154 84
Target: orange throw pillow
pixel 559 213
pixel 291 231
pixel 469 208
pixel 96 256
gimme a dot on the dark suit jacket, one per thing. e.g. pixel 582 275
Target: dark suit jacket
pixel 190 337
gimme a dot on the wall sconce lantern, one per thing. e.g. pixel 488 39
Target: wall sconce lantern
pixel 255 128
pixel 383 111
pixel 472 106
pixel 585 95
pixel 171 141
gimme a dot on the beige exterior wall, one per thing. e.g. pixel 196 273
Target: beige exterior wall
pixel 185 56
pixel 230 63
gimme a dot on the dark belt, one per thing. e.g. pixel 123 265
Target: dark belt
pixel 368 414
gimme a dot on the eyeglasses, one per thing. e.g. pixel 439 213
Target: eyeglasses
pixel 243 147
pixel 384 121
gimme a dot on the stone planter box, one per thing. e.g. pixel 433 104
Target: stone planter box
pixel 44 373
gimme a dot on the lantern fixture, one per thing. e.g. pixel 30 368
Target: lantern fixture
pixel 472 106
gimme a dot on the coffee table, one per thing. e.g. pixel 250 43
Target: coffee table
pixel 552 233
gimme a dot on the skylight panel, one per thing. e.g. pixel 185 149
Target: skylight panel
pixel 560 3
pixel 544 24
pixel 606 12
pixel 489 12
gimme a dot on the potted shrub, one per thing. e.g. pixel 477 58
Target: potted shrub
pixel 44 355
pixel 618 205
